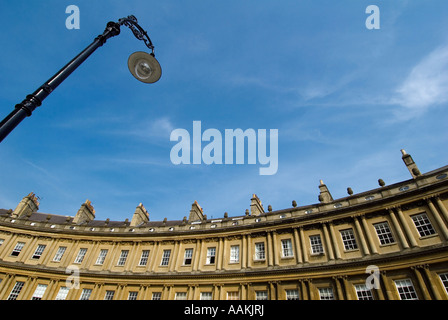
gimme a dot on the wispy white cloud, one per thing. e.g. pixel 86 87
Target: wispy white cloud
pixel 427 83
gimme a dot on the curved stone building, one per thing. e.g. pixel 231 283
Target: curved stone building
pixel 389 243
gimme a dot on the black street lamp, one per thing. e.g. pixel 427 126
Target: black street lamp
pixel 142 65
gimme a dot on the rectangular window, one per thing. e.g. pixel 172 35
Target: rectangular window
pixel 101 256
pixel 39 292
pixel 444 279
pixel 406 289
pixel 16 290
pixel 188 257
pixel 206 296
pixel 165 257
pixel 156 295
pixel 39 250
pixel 144 258
pixel 287 248
pixel 384 234
pixel 423 225
pixel 234 254
pixel 181 296
pixel 85 294
pixel 261 295
pixel 62 294
pixel 81 255
pixel 348 239
pixel 316 244
pixel 292 294
pixel 109 295
pixel 233 295
pixel 211 254
pixel 326 293
pixel 123 257
pixel 17 249
pixel 259 251
pixel 59 254
pixel 132 295
pixel 363 292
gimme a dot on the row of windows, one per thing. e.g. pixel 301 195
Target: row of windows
pixel 405 289
pixel 382 229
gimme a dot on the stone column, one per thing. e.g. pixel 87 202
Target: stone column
pixel 406 228
pixel 335 242
pixel 297 247
pixel 368 235
pixel 398 228
pixel 302 240
pixel 328 242
pixel 421 282
pixel 362 239
pixel 439 219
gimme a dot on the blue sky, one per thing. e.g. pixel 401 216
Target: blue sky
pixel 344 99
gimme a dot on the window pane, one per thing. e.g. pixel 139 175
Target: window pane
pixel 384 233
pixel 423 225
pixel 144 258
pixel 287 248
pixel 59 254
pixel 16 290
pixel 292 295
pixel 326 294
pixel 316 244
pixel 363 292
pixel 39 292
pixel 348 238
pixel 165 257
pixel 406 289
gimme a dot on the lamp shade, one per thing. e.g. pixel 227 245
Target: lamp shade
pixel 144 67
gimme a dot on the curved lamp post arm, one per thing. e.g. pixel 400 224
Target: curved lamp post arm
pixel 132 23
pixel 34 100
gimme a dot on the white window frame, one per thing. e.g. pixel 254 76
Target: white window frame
pixel 85 294
pixel 363 293
pixel 211 255
pixel 109 295
pixel 62 293
pixel 156 296
pixel 18 286
pixel 165 257
pixel 326 293
pixel 261 295
pixel 180 296
pixel 123 257
pixel 406 289
pixel 233 295
pixel 292 294
pixel 132 295
pixel 188 257
pixel 59 254
pixel 101 256
pixel 423 225
pixel 316 244
pixel 17 249
pixel 206 296
pixel 287 251
pixel 39 292
pixel 260 251
pixel 80 256
pixel 39 251
pixel 144 258
pixel 234 254
pixel 349 240
pixel 444 279
pixel 384 233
